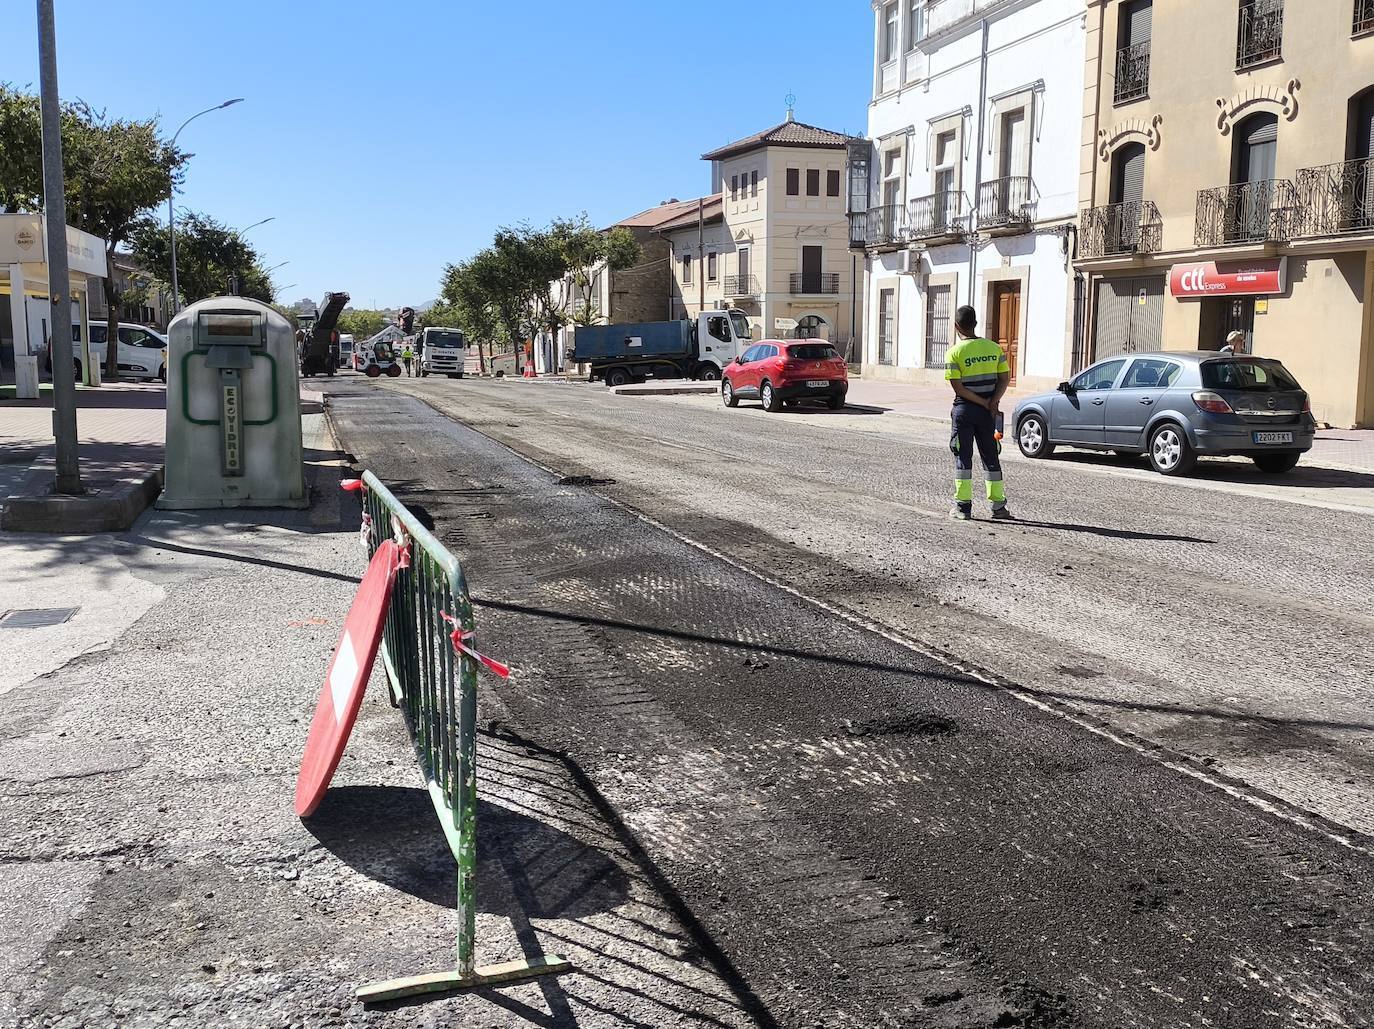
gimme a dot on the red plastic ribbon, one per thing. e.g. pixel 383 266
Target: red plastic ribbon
pixel 460 636
pixel 353 486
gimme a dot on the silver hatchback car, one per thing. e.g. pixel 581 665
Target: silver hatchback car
pixel 1175 407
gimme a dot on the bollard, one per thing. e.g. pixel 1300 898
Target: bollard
pixel 434 684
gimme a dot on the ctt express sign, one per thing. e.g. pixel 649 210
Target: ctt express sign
pixel 1228 279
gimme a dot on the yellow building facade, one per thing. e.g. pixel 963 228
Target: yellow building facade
pixel 1227 183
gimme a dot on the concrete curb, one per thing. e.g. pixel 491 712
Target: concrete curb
pixel 113 507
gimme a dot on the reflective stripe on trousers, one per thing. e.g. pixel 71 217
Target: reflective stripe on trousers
pixel 972 426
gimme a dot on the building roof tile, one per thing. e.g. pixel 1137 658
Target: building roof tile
pixel 789 133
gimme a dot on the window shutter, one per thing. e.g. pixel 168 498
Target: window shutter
pixel 1138 22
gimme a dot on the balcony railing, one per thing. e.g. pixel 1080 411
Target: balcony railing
pixel 1132 72
pixel 1336 199
pixel 940 216
pixel 800 283
pixel 1131 227
pixel 878 227
pixel 1364 17
pixel 1260 37
pixel 1007 203
pixel 740 286
pixel 1246 212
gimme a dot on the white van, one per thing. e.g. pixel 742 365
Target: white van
pixel 345 349
pixel 443 352
pixel 142 350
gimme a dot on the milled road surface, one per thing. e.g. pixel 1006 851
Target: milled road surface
pixel 873 837
pixel 1222 625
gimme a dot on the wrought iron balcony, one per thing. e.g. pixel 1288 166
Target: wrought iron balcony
pixel 800 283
pixel 1246 212
pixel 739 287
pixel 1336 199
pixel 1008 204
pixel 878 227
pixel 1131 227
pixel 1260 36
pixel 1132 72
pixel 940 216
pixel 1364 17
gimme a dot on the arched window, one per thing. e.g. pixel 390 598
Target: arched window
pixel 813 326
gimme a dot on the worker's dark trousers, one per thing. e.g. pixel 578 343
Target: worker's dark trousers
pixel 970 426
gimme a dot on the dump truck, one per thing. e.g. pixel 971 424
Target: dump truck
pixel 689 348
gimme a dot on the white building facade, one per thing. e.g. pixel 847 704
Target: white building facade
pixel 970 195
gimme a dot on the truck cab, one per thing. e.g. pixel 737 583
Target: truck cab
pixel 442 351
pixel 721 337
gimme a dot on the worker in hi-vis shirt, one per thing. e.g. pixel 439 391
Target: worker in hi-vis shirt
pixel 977 369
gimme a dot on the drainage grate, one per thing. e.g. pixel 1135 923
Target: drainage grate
pixel 36 617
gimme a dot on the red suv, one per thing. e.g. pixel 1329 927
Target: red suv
pixel 786 371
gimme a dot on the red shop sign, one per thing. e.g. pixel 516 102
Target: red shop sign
pixel 1228 279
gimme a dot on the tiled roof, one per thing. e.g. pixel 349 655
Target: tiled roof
pixel 712 210
pixel 654 217
pixel 789 133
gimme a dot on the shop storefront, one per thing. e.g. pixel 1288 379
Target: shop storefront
pixel 25 301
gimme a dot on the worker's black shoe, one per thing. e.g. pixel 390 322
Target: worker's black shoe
pixel 960 513
pixel 1003 514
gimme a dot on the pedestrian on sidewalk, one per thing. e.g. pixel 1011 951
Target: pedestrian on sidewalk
pixel 408 357
pixel 977 370
pixel 1235 343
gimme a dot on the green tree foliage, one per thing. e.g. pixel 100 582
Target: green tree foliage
pixel 361 323
pixel 116 170
pixel 502 294
pixel 209 255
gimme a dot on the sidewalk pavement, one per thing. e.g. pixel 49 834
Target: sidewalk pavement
pixel 152 871
pixel 120 429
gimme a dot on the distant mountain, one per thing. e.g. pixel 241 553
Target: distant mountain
pixel 422 308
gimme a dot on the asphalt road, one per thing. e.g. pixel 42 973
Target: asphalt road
pixel 762 641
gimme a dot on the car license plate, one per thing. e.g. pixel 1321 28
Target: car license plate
pixel 817 383
pixel 1273 437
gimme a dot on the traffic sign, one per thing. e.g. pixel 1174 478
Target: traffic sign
pixel 349 669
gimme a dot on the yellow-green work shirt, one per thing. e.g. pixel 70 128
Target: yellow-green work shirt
pixel 976 363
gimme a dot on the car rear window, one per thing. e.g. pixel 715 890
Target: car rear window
pixel 1248 376
pixel 813 352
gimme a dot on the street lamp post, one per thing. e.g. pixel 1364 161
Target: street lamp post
pixel 256 224
pixel 171 194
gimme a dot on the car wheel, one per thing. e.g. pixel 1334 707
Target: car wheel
pixel 771 401
pixel 1170 451
pixel 835 403
pixel 709 374
pixel 77 370
pixel 1033 437
pixel 1276 464
pixel 727 394
pixel 162 375
pixel 617 377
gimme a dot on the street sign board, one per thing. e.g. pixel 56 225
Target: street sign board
pixel 344 683
pixel 1261 277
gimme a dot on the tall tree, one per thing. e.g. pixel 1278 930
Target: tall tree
pixel 210 257
pixel 590 253
pixel 116 170
pixel 361 323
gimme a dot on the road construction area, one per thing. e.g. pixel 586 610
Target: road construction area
pixel 904 771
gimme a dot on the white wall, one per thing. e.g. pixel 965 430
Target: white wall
pixel 1035 50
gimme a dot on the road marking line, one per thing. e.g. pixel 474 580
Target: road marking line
pixel 1156 752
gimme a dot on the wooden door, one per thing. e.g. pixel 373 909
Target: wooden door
pixel 1006 322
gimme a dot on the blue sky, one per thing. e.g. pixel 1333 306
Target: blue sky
pixel 389 138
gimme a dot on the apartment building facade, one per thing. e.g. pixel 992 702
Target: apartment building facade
pixel 966 191
pixel 778 251
pixel 1227 183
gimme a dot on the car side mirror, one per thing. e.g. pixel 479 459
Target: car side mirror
pixel 1066 388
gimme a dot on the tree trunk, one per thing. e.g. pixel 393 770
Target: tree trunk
pixel 112 300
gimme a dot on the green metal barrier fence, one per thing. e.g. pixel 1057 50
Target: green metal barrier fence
pixel 436 689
